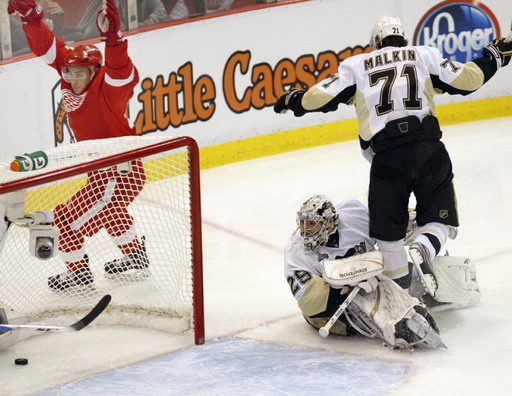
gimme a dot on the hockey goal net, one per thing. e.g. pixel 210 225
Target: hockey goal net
pixel 165 214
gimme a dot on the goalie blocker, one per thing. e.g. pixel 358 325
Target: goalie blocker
pixel 381 309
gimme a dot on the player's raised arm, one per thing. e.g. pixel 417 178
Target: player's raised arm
pixel 120 70
pixel 324 96
pixel 41 40
pixel 457 78
pixel 109 24
pixel 29 10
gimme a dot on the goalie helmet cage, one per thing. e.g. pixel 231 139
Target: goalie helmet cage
pixel 166 214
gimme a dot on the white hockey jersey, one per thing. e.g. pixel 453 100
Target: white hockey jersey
pixel 392 83
pixel 352 237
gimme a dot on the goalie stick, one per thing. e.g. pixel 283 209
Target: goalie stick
pixel 324 331
pixel 87 319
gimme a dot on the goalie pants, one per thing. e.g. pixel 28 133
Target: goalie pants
pixel 423 168
pixel 101 203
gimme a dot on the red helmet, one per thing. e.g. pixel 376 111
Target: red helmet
pixel 84 55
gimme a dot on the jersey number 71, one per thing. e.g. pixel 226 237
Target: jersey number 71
pixel 388 77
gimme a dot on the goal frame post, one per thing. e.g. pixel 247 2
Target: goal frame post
pixel 195 203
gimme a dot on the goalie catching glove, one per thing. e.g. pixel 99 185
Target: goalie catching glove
pixel 109 25
pixel 29 10
pixel 500 50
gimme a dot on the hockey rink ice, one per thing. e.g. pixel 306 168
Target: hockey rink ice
pixel 256 340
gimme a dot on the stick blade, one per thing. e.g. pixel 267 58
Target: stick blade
pixel 95 312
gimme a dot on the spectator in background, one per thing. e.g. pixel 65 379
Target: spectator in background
pixel 54 16
pixel 180 9
pixel 18 40
pixel 149 12
pixel 86 28
pixel 218 5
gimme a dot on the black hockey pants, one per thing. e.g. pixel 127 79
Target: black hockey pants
pixel 418 164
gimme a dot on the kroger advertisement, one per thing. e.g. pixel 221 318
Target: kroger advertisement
pixel 217 79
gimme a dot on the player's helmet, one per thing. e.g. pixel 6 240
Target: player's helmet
pixel 384 27
pixel 83 55
pixel 317 219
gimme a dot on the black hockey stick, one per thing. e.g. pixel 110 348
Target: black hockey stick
pixel 95 312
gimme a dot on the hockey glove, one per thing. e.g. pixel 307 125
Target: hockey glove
pixel 287 100
pixel 370 284
pixel 500 50
pixel 29 10
pixel 109 25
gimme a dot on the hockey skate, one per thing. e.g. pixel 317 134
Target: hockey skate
pixel 133 266
pixel 424 268
pixel 419 331
pixel 71 279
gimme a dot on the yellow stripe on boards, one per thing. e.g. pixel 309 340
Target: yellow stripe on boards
pixel 169 166
pixel 474 110
pixel 279 142
pixel 339 131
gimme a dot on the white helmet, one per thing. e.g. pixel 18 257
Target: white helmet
pixel 384 27
pixel 317 219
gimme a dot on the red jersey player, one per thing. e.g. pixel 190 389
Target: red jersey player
pixel 96 99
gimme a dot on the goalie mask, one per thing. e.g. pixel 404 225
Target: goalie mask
pixel 317 219
pixel 384 27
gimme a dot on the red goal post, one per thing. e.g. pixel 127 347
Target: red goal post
pixel 166 212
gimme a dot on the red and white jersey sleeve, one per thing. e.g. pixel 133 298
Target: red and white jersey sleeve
pixel 44 44
pixel 121 76
pixel 100 111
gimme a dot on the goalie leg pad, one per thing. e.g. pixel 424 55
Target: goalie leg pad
pixel 391 314
pixel 457 283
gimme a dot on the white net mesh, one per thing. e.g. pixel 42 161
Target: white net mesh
pixel 105 215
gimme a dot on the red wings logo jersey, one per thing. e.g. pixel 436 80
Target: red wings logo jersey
pixel 71 100
pixel 395 82
pixel 353 237
pixel 100 111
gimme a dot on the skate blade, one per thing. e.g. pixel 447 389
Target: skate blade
pixel 427 280
pixel 133 275
pixel 427 336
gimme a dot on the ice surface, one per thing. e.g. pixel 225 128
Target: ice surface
pixel 249 212
pixel 234 367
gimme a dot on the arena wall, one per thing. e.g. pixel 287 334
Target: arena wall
pixel 216 79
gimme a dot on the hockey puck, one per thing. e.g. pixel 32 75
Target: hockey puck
pixel 21 362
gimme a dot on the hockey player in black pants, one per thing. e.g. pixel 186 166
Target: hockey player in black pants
pixel 392 89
